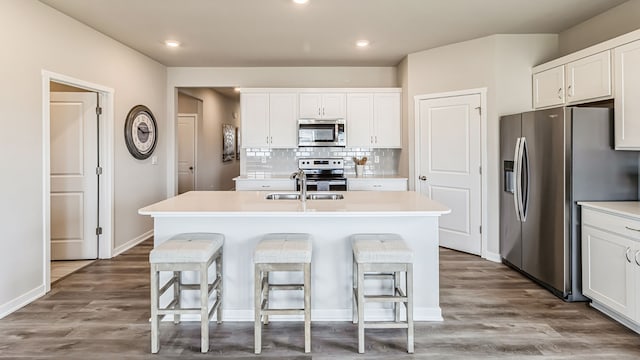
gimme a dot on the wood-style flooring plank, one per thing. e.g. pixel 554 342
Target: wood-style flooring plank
pixel 490 311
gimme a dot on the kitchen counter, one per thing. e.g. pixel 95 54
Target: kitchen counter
pixel 625 208
pixel 244 217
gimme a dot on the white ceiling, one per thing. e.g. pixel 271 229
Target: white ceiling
pixel 320 33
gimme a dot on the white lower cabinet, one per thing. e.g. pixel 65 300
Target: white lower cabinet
pixel 377 184
pixel 265 185
pixel 611 264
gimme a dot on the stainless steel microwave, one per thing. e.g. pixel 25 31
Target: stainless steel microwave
pixel 316 132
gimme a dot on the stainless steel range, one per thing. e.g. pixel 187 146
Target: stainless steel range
pixel 323 174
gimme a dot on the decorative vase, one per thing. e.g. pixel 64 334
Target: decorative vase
pixel 359 170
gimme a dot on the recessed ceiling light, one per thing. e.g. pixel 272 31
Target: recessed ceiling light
pixel 300 1
pixel 172 43
pixel 362 43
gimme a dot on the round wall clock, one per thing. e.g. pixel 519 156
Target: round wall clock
pixel 140 132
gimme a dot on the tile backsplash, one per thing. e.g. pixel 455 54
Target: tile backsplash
pixel 266 162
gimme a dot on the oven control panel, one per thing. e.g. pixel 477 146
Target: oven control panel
pixel 318 163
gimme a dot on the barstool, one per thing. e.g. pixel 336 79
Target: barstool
pixel 386 256
pixel 186 252
pixel 281 252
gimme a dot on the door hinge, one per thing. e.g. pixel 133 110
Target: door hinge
pixel 99 230
pixel 479 110
pixel 98 110
pixel 99 170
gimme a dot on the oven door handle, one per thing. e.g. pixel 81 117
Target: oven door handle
pixel 331 182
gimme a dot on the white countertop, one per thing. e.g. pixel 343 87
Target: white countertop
pixel 253 203
pixel 626 208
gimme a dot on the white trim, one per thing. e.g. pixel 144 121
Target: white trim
pixel 131 243
pixel 598 48
pixel 106 95
pixel 615 316
pixel 321 90
pixel 195 146
pixel 22 300
pixel 491 256
pixel 484 210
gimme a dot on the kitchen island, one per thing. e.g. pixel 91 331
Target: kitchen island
pixel 244 217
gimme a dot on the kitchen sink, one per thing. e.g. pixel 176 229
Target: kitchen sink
pixel 296 196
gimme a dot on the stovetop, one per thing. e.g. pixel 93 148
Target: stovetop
pixel 322 168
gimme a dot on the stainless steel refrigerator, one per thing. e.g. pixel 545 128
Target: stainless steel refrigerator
pixel 550 160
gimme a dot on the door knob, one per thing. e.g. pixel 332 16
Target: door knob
pixel 191 168
pixel 422 178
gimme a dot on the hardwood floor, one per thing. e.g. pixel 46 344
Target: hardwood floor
pixel 490 311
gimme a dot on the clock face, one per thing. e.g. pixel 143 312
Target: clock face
pixel 140 132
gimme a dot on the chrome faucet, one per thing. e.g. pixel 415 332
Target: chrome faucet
pixel 301 178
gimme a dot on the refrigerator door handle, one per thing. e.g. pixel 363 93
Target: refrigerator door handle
pixel 518 186
pixel 524 193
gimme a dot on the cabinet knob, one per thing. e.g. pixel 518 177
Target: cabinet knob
pixel 422 178
pixel 569 94
pixel 636 258
pixel 560 93
pixel 626 254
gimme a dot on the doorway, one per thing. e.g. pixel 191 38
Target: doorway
pixel 187 145
pixel 449 159
pixel 77 174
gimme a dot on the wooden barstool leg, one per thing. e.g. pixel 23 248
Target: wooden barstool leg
pixel 354 312
pixel 204 308
pixel 265 295
pixel 307 307
pixel 155 285
pixel 219 290
pixel 410 333
pixel 257 336
pixel 360 308
pixel 396 284
pixel 177 281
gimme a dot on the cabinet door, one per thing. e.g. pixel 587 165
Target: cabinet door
pixel 607 269
pixel 359 120
pixel 264 185
pixel 548 87
pixel 377 184
pixel 627 93
pixel 387 121
pixel 255 120
pixel 283 120
pixel 310 106
pixel 333 106
pixel 589 78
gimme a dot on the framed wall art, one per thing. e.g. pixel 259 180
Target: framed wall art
pixel 228 142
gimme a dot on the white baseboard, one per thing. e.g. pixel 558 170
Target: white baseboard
pixel 131 243
pixel 20 301
pixel 616 316
pixel 330 315
pixel 491 256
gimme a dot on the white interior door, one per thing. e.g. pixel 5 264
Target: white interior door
pixel 74 182
pixel 449 158
pixel 186 152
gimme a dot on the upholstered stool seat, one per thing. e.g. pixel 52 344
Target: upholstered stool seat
pixel 186 252
pixel 281 252
pixel 382 256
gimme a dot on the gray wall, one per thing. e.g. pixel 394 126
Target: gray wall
pixel 621 19
pixel 502 64
pixel 35 38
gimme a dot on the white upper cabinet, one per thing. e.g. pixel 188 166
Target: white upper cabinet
pixel 582 80
pixel 359 119
pixel 374 120
pixel 548 87
pixel 589 78
pixel 387 122
pixel 254 110
pixel 283 122
pixel 322 106
pixel 627 90
pixel 269 120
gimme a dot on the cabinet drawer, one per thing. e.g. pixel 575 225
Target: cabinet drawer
pixel 613 223
pixel 377 185
pixel 266 185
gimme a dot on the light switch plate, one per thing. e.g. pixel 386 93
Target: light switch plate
pixel 376 159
